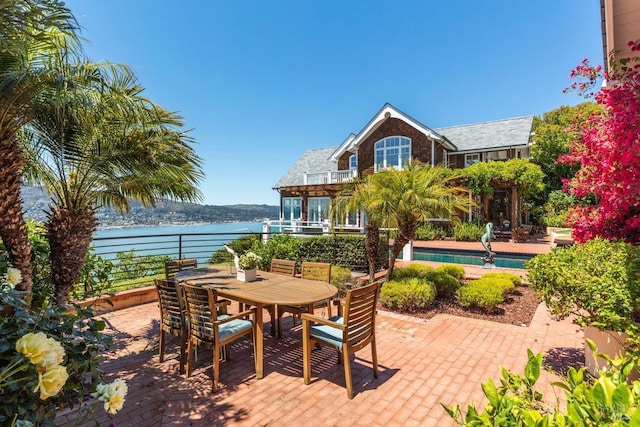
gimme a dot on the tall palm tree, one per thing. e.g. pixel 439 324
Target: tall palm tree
pixel 404 199
pixel 363 196
pixel 29 31
pixel 99 142
pixel 417 193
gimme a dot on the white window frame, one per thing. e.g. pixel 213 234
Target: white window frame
pixel 315 213
pixel 353 162
pixel 469 156
pixel 381 145
pixel 292 206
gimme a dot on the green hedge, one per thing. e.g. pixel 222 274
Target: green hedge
pixel 514 278
pixel 454 270
pixel 445 284
pixel 408 294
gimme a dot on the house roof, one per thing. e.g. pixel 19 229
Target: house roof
pixel 312 161
pixel 494 135
pixel 387 111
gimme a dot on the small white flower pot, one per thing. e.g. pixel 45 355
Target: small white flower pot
pixel 247 275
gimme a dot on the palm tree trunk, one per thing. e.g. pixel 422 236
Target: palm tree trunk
pixel 406 233
pixel 371 243
pixel 13 230
pixel 69 233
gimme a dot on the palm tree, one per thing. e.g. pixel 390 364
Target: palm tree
pixel 404 199
pixel 29 31
pixel 363 196
pixel 99 142
pixel 417 193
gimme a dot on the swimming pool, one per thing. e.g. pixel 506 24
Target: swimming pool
pixel 502 259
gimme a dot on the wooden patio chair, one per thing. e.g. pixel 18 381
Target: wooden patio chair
pixel 320 271
pixel 286 267
pixel 347 334
pixel 172 267
pixel 214 331
pixel 172 317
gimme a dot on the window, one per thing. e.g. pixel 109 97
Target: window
pixel 318 209
pixel 291 208
pixel 392 152
pixel 353 162
pixel 471 159
pixel 497 155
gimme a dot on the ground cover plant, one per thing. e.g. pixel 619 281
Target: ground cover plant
pixel 516 303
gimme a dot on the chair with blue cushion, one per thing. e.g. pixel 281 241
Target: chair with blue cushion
pixel 348 333
pixel 214 331
pixel 172 317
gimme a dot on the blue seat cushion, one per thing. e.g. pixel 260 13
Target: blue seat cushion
pixel 329 334
pixel 234 327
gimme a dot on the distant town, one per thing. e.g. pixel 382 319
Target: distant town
pixel 35 203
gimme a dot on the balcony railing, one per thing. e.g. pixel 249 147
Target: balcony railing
pixel 330 177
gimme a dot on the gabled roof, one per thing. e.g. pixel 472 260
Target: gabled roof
pixel 387 111
pixel 312 161
pixel 496 135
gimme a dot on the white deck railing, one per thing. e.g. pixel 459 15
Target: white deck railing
pixel 330 177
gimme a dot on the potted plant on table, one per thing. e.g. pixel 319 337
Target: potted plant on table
pixel 247 265
pixel 598 282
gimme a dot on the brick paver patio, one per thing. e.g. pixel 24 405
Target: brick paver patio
pixel 422 363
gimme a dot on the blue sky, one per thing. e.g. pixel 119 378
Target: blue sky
pixel 261 82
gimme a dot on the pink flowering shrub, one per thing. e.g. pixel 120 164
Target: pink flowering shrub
pixel 608 153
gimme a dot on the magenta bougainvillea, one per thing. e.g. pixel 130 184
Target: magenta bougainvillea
pixel 608 153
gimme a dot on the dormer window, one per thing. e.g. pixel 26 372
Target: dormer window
pixel 392 152
pixel 353 162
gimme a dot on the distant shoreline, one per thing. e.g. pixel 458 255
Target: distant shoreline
pixel 172 224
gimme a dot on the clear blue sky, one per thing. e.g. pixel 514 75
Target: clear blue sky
pixel 260 82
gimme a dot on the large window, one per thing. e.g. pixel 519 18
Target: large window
pixel 318 209
pixel 291 208
pixel 392 152
pixel 353 162
pixel 471 159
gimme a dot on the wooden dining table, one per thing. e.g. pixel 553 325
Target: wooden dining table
pixel 267 289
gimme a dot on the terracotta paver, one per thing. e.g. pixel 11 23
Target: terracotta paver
pixel 422 363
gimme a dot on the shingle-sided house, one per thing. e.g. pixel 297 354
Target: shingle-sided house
pixel 390 139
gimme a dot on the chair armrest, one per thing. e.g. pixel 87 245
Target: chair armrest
pixel 240 315
pixel 222 304
pixel 316 319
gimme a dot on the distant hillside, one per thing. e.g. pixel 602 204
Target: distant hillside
pixel 36 201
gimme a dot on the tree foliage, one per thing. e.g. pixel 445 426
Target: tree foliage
pixel 482 177
pixel 608 153
pixel 552 137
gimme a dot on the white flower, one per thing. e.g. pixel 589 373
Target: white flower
pixel 13 277
pixel 249 260
pixel 112 395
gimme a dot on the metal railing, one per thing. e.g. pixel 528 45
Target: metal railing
pixel 134 261
pixel 330 177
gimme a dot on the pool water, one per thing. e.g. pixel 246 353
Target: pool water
pixel 506 260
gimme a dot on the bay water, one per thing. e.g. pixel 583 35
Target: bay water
pixel 178 241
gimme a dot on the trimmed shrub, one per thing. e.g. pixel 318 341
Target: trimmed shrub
pixel 446 284
pixel 454 270
pixel 240 246
pixel 468 231
pixel 408 294
pixel 517 280
pixel 345 250
pixel 413 270
pixel 340 276
pixel 481 294
pixel 430 231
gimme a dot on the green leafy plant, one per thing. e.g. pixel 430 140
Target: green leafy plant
pixel 483 294
pixel 340 276
pixel 411 271
pixel 131 265
pixel 430 231
pixel 50 358
pixel 409 294
pixel 454 270
pixel 610 400
pixel 446 284
pixel 514 278
pixel 239 245
pixel 468 231
pixel 249 260
pixel 598 281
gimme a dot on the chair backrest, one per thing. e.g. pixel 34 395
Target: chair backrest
pixel 360 315
pixel 320 271
pixel 201 310
pixel 171 306
pixel 172 267
pixel 285 267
